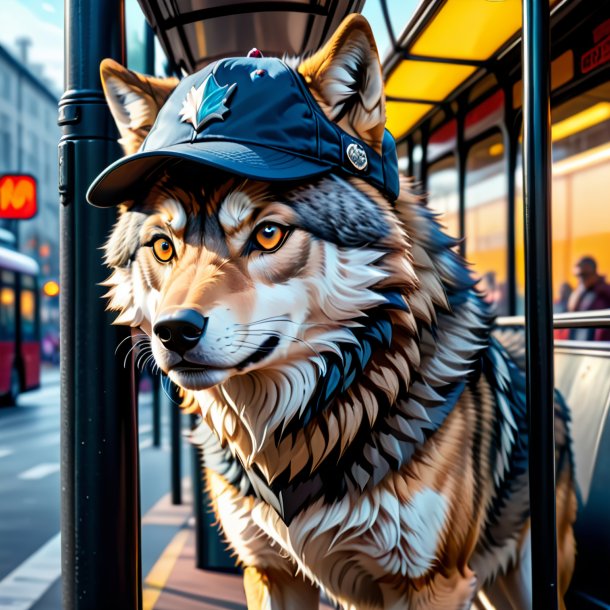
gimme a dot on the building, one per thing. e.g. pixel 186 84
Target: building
pixel 28 144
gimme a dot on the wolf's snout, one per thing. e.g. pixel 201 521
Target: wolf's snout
pixel 180 330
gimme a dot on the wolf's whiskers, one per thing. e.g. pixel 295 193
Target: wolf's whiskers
pixel 166 390
pixel 282 319
pixel 127 339
pixel 144 354
pixel 136 344
pixel 279 334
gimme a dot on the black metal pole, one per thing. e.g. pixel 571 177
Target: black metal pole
pixel 156 410
pixel 99 432
pixel 149 49
pixel 538 299
pixel 199 502
pixel 176 433
pixel 461 169
pixel 511 146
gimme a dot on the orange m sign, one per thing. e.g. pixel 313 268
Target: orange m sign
pixel 17 196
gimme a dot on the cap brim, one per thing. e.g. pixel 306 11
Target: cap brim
pixel 119 182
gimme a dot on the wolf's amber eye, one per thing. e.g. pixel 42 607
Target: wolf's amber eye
pixel 269 236
pixel 163 249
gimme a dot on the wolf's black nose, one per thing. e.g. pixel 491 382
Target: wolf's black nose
pixel 180 330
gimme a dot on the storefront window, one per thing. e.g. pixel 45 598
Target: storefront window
pixel 581 222
pixel 486 213
pixel 443 193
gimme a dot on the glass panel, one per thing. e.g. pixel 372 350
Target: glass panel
pixel 562 72
pixel 488 26
pixel 442 141
pixel 438 118
pixel 7 278
pixel 581 223
pixel 443 184
pixel 28 315
pixel 274 33
pixel 482 87
pixel 135 25
pixel 401 116
pixel 7 313
pixel 425 80
pixel 486 218
pixel 27 281
pixel 485 116
pixel 400 12
pixel 186 6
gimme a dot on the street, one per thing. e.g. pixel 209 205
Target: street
pixel 30 496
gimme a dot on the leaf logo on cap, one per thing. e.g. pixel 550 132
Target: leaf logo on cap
pixel 206 103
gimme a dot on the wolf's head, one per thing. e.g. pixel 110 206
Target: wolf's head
pixel 294 314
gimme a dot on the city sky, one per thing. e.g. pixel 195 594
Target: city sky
pixel 42 22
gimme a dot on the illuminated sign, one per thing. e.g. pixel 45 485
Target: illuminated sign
pixel 600 53
pixel 17 196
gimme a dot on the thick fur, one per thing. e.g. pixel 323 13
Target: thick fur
pixel 362 431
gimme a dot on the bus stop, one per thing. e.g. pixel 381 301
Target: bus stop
pixel 101 526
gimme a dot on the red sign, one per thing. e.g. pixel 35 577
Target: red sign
pixel 600 53
pixel 601 31
pixel 17 196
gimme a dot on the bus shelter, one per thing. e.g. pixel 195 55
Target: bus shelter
pixel 100 502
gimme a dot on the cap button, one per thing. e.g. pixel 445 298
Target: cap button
pixel 357 156
pixel 254 53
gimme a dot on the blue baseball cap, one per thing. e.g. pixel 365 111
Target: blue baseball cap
pixel 250 116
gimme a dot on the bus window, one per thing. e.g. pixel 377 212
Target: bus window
pixel 581 223
pixel 7 306
pixel 443 185
pixel 28 309
pixel 486 214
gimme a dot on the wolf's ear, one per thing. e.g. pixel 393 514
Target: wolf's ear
pixel 345 78
pixel 134 100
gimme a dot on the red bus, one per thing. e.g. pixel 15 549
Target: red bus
pixel 19 325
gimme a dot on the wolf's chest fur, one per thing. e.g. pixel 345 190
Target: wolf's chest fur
pixel 415 523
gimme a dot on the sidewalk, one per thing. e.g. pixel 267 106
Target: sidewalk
pixel 186 587
pixel 174 583
pixel 49 375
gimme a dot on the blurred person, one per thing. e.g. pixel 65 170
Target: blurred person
pixel 591 293
pixel 561 304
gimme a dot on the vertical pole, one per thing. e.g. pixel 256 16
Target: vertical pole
pixel 461 169
pixel 511 144
pixel 156 407
pixel 199 500
pixel 176 466
pixel 99 443
pixel 538 301
pixel 149 50
pixel 149 68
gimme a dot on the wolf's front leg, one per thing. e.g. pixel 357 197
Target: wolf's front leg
pixel 271 581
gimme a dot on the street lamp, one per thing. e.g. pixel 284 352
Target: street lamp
pixel 196 32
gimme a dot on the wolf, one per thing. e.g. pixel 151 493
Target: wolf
pixel 363 429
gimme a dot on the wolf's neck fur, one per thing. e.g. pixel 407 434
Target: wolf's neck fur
pixel 439 325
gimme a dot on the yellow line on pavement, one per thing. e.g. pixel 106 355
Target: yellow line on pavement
pixel 159 574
